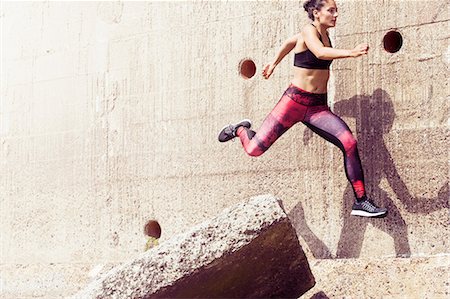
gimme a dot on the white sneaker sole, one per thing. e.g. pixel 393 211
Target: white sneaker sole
pixel 366 214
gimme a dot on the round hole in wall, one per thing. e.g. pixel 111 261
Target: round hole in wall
pixel 392 41
pixel 152 229
pixel 247 68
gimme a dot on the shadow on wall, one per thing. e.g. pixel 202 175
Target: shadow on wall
pixel 319 295
pixel 374 118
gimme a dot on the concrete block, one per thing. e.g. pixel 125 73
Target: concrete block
pixel 249 250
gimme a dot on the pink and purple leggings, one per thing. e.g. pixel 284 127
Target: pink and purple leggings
pixel 297 105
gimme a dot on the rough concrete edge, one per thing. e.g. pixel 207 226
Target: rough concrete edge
pixel 94 286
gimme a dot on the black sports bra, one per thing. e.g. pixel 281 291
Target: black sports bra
pixel 308 60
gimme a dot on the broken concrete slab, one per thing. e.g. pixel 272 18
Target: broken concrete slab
pixel 250 250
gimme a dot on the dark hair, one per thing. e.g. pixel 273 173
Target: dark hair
pixel 311 5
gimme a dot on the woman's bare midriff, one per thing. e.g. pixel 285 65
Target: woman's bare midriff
pixel 314 81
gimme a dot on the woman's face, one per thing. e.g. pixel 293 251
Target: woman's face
pixel 327 15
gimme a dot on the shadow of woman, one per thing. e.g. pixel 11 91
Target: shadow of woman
pixel 374 117
pixel 317 247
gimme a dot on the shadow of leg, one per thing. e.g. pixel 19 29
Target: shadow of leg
pixel 319 295
pixel 353 229
pixel 424 205
pixel 317 247
pixel 395 226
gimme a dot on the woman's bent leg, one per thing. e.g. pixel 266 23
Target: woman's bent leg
pixel 285 114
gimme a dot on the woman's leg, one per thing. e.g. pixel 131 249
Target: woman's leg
pixel 331 127
pixel 285 114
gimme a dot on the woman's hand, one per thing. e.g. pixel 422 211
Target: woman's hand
pixel 268 70
pixel 360 49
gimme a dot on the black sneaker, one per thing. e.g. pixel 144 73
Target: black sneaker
pixel 229 132
pixel 366 208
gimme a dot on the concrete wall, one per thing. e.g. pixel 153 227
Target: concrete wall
pixel 109 115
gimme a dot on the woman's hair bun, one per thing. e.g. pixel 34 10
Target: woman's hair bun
pixel 307 4
pixel 311 5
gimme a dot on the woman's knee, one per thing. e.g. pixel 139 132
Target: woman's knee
pixel 254 151
pixel 348 141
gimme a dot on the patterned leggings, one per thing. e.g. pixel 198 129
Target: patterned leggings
pixel 297 105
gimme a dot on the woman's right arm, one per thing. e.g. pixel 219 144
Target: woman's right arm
pixel 314 44
pixel 287 47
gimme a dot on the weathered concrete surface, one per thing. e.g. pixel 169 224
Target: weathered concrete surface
pixel 400 278
pixel 249 251
pixel 109 113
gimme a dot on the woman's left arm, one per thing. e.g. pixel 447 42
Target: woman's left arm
pixel 312 41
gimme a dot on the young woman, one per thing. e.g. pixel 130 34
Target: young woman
pixel 305 100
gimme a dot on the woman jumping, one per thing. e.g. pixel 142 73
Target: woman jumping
pixel 305 101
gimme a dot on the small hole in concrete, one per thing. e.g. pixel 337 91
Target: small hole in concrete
pixel 247 68
pixel 392 41
pixel 152 229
